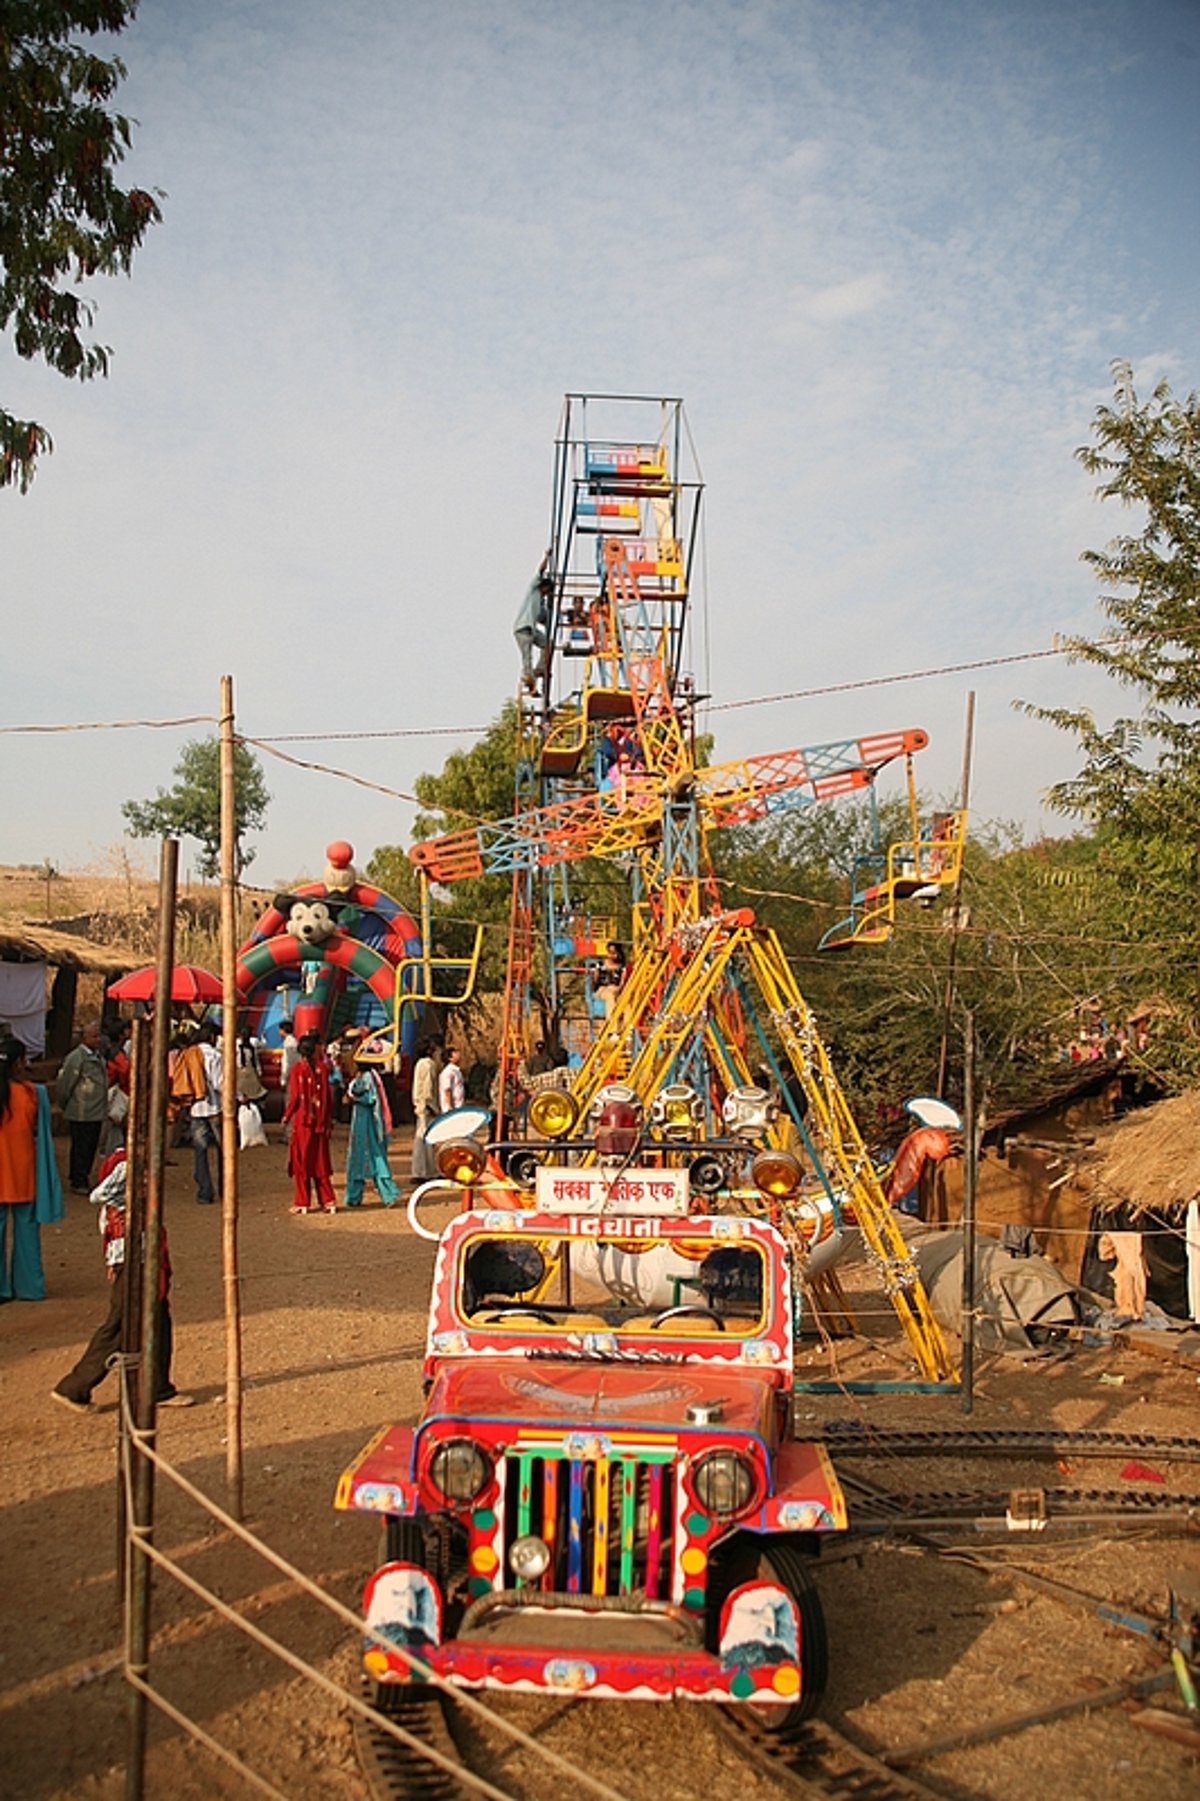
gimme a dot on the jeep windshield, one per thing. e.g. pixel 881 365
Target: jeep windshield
pixel 601 1284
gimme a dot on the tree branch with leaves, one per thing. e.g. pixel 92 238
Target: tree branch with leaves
pixel 63 216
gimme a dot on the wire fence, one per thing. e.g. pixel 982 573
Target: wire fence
pixel 139 1544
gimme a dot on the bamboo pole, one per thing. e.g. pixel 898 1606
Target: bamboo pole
pixel 137 1617
pixel 956 903
pixel 970 1175
pixel 229 1109
pixel 137 1137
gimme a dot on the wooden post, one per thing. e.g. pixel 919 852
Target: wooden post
pixel 956 903
pixel 229 1109
pixel 61 1022
pixel 137 1140
pixel 970 1173
pixel 137 1618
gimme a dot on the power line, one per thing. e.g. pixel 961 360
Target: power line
pixel 114 725
pixel 1066 648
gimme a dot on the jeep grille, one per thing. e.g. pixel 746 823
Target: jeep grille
pixel 607 1520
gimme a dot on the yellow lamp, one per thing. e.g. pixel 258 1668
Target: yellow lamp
pixel 776 1173
pixel 553 1112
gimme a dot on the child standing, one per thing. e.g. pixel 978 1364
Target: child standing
pixel 75 1389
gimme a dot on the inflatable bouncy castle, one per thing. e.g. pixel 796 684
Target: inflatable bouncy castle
pixel 326 957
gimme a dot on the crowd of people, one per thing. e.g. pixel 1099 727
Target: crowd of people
pixel 321 1085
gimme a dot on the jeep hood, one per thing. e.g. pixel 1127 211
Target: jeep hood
pixel 575 1394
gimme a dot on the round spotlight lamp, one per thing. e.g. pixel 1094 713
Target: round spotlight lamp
pixel 617 1130
pixel 553 1112
pixel 677 1112
pixel 521 1167
pixel 615 1092
pixel 529 1558
pixel 748 1112
pixel 707 1175
pixel 776 1173
pixel 461 1160
pixel 459 1469
pixel 616 1120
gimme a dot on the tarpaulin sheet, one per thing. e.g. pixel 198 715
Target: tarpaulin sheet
pixel 23 1003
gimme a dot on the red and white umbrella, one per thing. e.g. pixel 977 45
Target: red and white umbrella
pixel 188 983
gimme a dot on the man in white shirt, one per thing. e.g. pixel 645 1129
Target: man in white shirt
pixel 289 1049
pixel 425 1108
pixel 206 1119
pixel 452 1089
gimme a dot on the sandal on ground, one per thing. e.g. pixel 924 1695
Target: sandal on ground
pixel 297 1209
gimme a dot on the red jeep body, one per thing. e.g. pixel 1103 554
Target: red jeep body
pixel 603 1496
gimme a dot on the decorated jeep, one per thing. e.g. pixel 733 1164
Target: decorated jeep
pixel 603 1496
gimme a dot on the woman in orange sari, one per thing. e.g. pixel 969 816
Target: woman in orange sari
pixel 30 1191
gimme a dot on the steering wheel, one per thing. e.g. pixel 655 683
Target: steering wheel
pixel 714 1319
pixel 538 1313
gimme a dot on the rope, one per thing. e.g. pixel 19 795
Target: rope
pixel 297 1663
pixel 204 1738
pixel 462 1698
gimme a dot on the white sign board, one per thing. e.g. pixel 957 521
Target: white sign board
pixel 638 1192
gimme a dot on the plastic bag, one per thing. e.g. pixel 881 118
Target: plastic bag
pixel 250 1126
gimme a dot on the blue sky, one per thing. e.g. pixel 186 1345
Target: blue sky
pixel 885 250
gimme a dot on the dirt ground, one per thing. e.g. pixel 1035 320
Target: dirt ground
pixel 334 1319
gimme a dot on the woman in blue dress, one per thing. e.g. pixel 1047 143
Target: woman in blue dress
pixel 370 1124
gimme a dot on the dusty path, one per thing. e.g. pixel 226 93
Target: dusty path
pixel 334 1320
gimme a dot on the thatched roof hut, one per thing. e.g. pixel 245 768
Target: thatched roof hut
pixel 1150 1158
pixel 24 943
pixel 70 956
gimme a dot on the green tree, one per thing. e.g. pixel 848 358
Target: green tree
pixel 192 808
pixel 472 785
pixel 63 217
pixel 1044 931
pixel 1139 787
pixel 1142 774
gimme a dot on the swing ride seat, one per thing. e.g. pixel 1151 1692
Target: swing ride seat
pixel 604 513
pixel 849 935
pixel 608 703
pixel 627 469
pixel 566 742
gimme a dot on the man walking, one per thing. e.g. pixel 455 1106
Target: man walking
pixel 206 1118
pixel 82 1094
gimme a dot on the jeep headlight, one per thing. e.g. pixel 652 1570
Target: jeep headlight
pixel 725 1483
pixel 459 1469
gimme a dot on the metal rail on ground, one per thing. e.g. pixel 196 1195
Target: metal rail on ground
pixel 1027 1511
pixel 850 1438
pixel 820 1762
